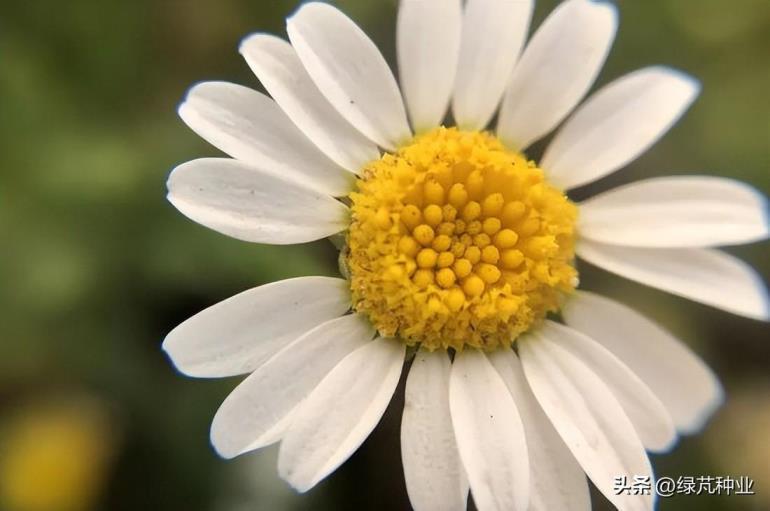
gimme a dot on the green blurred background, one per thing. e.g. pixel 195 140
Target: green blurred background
pixel 96 267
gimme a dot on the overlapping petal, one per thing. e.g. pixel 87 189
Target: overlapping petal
pixel 490 435
pixel 279 69
pixel 493 34
pixel 617 124
pixel 588 417
pixel 340 413
pixel 677 211
pixel 650 418
pixel 434 475
pixel 684 384
pixel 239 334
pixel 428 43
pixel 258 411
pixel 700 274
pixel 557 68
pixel 556 480
pixel 350 72
pixel 250 204
pixel 251 127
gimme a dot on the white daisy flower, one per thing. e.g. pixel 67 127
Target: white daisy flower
pixel 458 245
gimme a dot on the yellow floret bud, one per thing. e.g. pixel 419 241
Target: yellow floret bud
pixel 481 240
pixel 408 246
pixel 432 215
pixel 473 286
pixel 475 185
pixel 423 234
pixel 473 254
pixel 488 273
pixel 445 278
pixel 446 228
pixel 423 278
pixel 511 259
pixel 427 258
pixel 445 259
pixel 529 227
pixel 493 205
pixel 473 227
pixel 441 243
pixel 433 192
pixel 490 254
pixel 411 216
pixel 512 212
pixel 506 239
pixel 462 268
pixel 491 226
pixel 471 211
pixel 458 195
pixel 449 212
pixel 455 299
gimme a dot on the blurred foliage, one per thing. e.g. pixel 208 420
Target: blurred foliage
pixel 96 266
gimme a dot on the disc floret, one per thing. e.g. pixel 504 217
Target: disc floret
pixel 457 241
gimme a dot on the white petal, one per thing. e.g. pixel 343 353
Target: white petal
pixel 340 413
pixel 588 418
pixel 652 421
pixel 434 476
pixel 556 481
pixel 251 127
pixel 490 435
pixel 350 71
pixel 684 384
pixel 256 413
pixel 617 124
pixel 236 335
pixel 279 69
pixel 249 204
pixel 700 274
pixel 493 34
pixel 557 68
pixel 428 48
pixel 679 211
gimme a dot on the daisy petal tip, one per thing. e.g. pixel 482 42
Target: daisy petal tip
pixel 608 6
pixel 174 349
pixel 699 423
pixel 765 315
pixel 198 88
pixel 290 477
pixel 309 9
pixel 182 107
pixel 220 445
pixel 250 40
pixel 294 476
pixel 691 86
pixel 169 349
pixel 665 448
pixel 765 206
pixel 762 305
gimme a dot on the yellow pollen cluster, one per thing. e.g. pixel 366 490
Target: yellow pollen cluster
pixel 456 240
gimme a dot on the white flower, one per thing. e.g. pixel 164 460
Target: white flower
pixel 458 245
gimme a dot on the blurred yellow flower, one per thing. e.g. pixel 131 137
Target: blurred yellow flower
pixel 55 456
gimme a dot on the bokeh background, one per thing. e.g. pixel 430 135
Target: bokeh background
pixel 96 267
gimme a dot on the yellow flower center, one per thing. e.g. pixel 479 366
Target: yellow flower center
pixel 457 241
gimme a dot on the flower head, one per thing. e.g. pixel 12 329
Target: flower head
pixel 460 245
pixel 456 241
